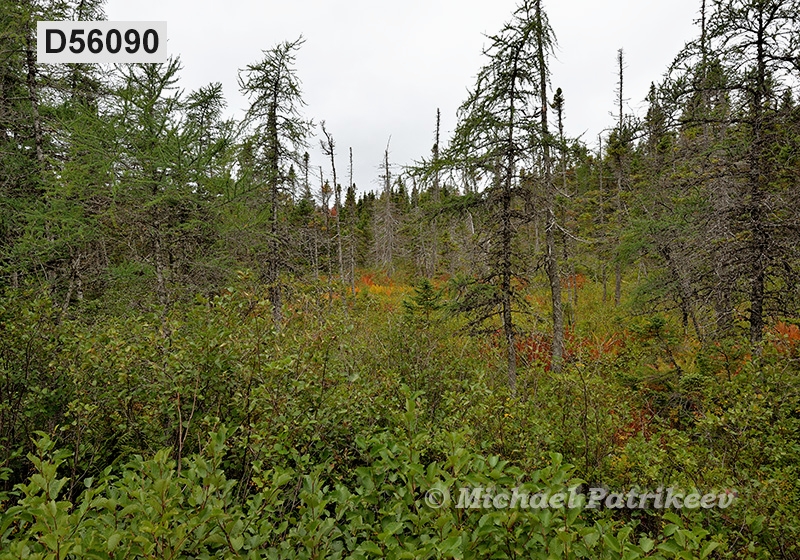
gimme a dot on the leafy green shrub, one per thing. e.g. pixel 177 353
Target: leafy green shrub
pixel 153 510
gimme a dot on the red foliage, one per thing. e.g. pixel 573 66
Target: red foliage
pixel 638 424
pixel 601 347
pixel 534 348
pixel 537 347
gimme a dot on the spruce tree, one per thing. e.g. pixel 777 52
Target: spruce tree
pixel 499 131
pixel 279 134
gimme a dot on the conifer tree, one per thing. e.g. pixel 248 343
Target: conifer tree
pixel 756 44
pixel 498 130
pixel 280 133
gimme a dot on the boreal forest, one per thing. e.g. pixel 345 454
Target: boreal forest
pixel 214 345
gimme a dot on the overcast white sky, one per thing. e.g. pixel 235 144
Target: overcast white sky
pixel 375 68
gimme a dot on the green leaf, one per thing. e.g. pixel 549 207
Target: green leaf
pixel 757 524
pixel 612 543
pixel 237 543
pixel 113 541
pixel 591 538
pixel 371 548
pixel 670 546
pixel 708 549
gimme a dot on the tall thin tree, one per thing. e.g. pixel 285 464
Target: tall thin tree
pixel 275 97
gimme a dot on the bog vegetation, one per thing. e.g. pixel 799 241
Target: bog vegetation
pixel 213 347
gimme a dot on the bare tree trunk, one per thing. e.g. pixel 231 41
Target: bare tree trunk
pixel 329 149
pixel 68 297
pixel 351 232
pixel 574 275
pixel 386 222
pixel 274 258
pixel 325 196
pixel 603 275
pixel 684 291
pixel 551 257
pixel 436 187
pixel 558 104
pixel 389 214
pixel 506 237
pixel 338 206
pixel 618 265
pixel 505 290
pixel 315 257
pixel 758 188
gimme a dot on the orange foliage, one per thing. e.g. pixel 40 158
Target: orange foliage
pixel 540 300
pixel 574 281
pixel 378 289
pixel 378 284
pixel 788 338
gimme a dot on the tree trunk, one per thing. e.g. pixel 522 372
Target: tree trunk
pixel 505 288
pixel 436 199
pixel 329 148
pixel 551 257
pixel 758 182
pixel 33 93
pixel 158 258
pixel 621 139
pixel 274 257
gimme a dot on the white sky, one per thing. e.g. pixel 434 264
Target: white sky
pixel 373 68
